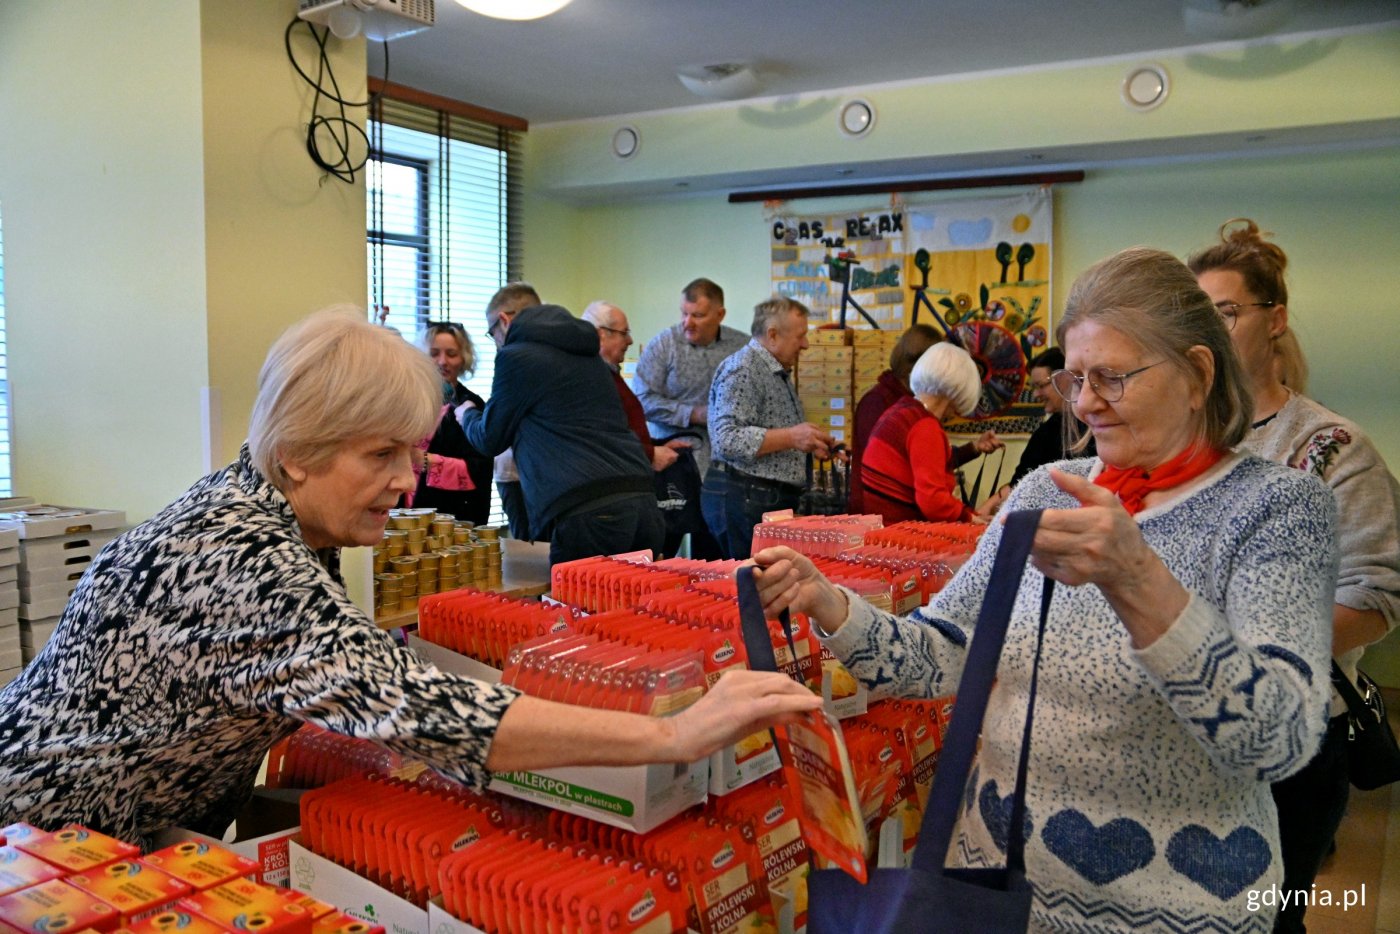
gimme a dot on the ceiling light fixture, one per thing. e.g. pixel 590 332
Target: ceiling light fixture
pixel 515 9
pixel 727 81
pixel 856 117
pixel 1145 88
pixel 625 142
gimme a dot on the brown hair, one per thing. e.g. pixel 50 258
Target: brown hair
pixel 706 288
pixel 1244 250
pixel 1150 297
pixel 455 331
pixel 910 347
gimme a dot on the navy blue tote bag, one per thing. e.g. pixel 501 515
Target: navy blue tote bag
pixel 928 897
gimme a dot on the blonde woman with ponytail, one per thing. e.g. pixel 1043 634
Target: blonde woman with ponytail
pixel 1244 276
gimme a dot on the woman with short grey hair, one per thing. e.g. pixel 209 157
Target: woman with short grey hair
pixel 202 636
pixel 907 465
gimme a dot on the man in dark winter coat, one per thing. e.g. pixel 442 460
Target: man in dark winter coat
pixel 588 486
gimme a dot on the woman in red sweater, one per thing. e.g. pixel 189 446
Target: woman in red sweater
pixel 906 466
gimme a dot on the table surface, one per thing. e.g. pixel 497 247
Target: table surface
pixel 524 573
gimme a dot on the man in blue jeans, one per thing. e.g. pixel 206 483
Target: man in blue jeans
pixel 759 436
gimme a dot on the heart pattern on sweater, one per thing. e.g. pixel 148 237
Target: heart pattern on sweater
pixel 996 814
pixel 1224 868
pixel 1099 854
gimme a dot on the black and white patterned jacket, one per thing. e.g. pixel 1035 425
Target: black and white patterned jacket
pixel 193 643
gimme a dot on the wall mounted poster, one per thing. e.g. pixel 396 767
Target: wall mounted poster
pixel 976 269
pixel 988 267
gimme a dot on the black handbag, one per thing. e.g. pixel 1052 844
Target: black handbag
pixel 1373 755
pixel 928 897
pixel 828 486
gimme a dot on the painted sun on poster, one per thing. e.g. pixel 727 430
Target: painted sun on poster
pixel 979 270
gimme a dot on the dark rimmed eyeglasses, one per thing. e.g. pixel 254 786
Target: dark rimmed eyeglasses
pixel 625 332
pixel 1229 311
pixel 435 327
pixel 1108 384
pixel 503 318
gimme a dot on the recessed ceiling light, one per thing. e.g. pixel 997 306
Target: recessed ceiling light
pixel 626 141
pixel 856 117
pixel 1146 87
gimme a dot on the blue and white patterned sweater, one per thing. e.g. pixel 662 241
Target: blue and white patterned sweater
pixel 1148 792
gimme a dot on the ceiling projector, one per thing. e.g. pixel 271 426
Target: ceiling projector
pixel 377 19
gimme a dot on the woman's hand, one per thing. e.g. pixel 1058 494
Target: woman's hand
pixel 790 581
pixel 1099 543
pixel 741 702
pixel 988 443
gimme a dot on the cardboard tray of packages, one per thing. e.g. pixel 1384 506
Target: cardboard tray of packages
pixel 9 535
pixel 10 572
pixel 34 633
pixel 332 883
pixel 63 550
pixel 9 599
pixel 60 590
pixel 50 577
pixel 9 674
pixel 9 557
pixel 9 616
pixel 47 521
pixel 638 798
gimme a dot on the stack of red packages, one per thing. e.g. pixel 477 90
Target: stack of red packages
pixel 815 535
pixel 931 572
pixel 484 626
pixel 598 584
pixel 698 570
pixel 582 669
pixel 768 807
pixel 517 881
pixel 312 757
pixel 950 538
pixel 395 833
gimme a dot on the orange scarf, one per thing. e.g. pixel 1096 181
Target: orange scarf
pixel 1131 484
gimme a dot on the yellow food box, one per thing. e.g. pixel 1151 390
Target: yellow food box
pixel 242 906
pixel 77 849
pixel 19 870
pixel 18 831
pixel 202 865
pixel 134 889
pixel 828 337
pixel 826 353
pixel 314 906
pixel 821 386
pixel 869 337
pixel 55 907
pixel 174 921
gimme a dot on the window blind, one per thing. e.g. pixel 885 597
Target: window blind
pixel 443 217
pixel 6 487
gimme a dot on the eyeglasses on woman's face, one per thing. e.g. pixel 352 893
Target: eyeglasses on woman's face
pixel 1108 384
pixel 1229 311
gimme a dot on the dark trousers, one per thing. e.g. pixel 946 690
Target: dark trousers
pixel 1310 808
pixel 629 523
pixel 734 503
pixel 513 502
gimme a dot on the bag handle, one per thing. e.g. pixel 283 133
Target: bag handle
pixel 979 672
pixel 753 624
pixel 1356 704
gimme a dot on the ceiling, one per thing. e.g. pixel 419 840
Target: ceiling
pixel 600 58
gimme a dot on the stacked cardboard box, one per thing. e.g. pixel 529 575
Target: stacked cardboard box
pixel 11 656
pixel 56 545
pixel 824 381
pixel 870 357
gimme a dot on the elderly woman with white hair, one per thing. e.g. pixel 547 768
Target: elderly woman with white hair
pixel 1184 664
pixel 199 638
pixel 907 465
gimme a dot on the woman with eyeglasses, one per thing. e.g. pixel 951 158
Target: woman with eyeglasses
pixel 454 477
pixel 1244 276
pixel 1182 669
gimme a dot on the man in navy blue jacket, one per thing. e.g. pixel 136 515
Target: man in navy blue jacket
pixel 588 486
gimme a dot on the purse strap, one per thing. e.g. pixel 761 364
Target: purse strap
pixel 1356 704
pixel 979 673
pixel 753 624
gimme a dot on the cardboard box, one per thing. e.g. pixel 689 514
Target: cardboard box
pixel 728 774
pixel 822 353
pixel 55 907
pixel 264 832
pixel 319 877
pixel 76 849
pixel 44 611
pixel 9 674
pixel 821 386
pixel 638 797
pixel 200 863
pixel 828 337
pixel 820 405
pixel 134 889
pixel 175 921
pixel 243 905
pixel 35 521
pixel 19 870
pixel 62 551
